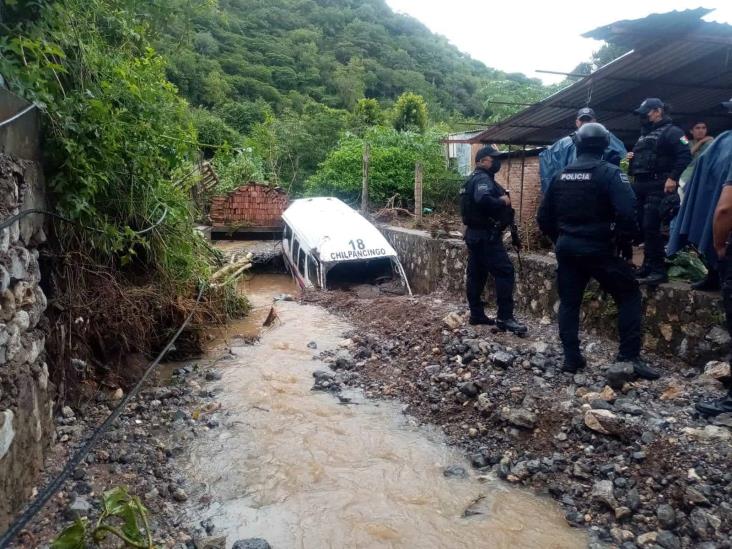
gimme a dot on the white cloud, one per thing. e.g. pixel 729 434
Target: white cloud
pixel 540 35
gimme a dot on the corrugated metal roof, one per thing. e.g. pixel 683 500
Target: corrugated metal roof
pixel 684 61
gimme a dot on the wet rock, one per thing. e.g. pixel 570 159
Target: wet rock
pixel 502 359
pixel 479 460
pixel 453 320
pixel 603 421
pixel 668 540
pixel 618 374
pixel 469 389
pixel 519 472
pixel 211 543
pixel 213 375
pixel 622 513
pixel 455 471
pixel 519 417
pixel 700 523
pixel 717 370
pixel 67 412
pixel 322 375
pixel 666 516
pixel 432 369
pixel 208 525
pixel 312 345
pixel 79 507
pixel 647 539
pixel 179 495
pixel 484 403
pixel 627 406
pixel 621 536
pixel 692 496
pixel 632 498
pixel 709 433
pixel 251 543
pixel 580 379
pixel 723 420
pixel 344 361
pixel 540 347
pixel 602 491
pixel 718 336
pixel 599 404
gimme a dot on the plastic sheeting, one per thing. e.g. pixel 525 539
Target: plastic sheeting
pixel 563 152
pixel 694 221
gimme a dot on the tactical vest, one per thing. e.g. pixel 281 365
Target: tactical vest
pixel 581 195
pixel 477 217
pixel 645 152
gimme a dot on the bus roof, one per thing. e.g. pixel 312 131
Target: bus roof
pixel 333 231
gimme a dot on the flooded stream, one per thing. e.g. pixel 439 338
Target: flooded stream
pixel 302 470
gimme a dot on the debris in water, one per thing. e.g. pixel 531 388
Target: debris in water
pixel 271 317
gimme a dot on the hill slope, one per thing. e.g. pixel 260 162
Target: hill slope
pixel 332 51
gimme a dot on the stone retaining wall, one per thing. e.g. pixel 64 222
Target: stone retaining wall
pixel 678 322
pixel 26 426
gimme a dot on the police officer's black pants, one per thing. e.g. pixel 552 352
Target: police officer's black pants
pixel 725 273
pixel 488 256
pixel 617 279
pixel 649 195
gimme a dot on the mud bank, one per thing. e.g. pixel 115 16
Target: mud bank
pixel 635 464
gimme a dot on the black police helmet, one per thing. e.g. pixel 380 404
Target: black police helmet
pixel 592 137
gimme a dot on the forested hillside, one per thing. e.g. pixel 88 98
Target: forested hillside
pixel 335 52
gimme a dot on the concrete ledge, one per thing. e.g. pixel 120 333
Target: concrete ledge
pixel 678 321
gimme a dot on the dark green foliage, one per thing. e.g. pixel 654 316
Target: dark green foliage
pixel 410 113
pixel 391 169
pixel 213 132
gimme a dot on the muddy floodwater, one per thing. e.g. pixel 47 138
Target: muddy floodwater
pixel 303 470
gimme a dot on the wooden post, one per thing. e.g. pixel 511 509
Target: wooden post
pixel 365 182
pixel 418 193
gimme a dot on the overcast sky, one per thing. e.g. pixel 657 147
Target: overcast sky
pixel 524 37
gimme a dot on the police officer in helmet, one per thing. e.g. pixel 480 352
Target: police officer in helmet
pixel 658 158
pixel 589 210
pixel 486 211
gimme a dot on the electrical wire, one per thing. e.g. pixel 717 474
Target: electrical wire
pixel 47 493
pixel 18 115
pixel 55 485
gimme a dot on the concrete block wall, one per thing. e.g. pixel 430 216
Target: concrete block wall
pixel 251 205
pixel 26 426
pixel 678 322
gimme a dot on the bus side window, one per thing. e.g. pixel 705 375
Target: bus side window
pixel 295 250
pixel 313 271
pixel 301 263
pixel 287 234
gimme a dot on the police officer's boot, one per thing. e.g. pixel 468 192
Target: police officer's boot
pixel 643 370
pixel 720 405
pixel 512 325
pixel 709 283
pixel 654 279
pixel 573 366
pixel 481 319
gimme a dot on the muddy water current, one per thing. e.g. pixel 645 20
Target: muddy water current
pixel 303 470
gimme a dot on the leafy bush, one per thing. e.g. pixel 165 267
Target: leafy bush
pixel 410 112
pixel 213 132
pixel 236 169
pixel 391 168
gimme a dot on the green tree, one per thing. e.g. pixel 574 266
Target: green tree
pixel 410 113
pixel 391 168
pixel 368 113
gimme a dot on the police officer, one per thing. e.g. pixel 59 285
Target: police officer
pixel 587 211
pixel 722 230
pixel 486 211
pixel 656 162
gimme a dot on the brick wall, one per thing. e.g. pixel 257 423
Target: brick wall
pixel 526 198
pixel 251 205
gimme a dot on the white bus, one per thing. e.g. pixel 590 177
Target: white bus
pixel 328 245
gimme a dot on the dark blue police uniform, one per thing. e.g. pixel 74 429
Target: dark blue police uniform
pixel 587 211
pixel 661 152
pixel 486 217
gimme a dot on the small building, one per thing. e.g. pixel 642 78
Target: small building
pixel 676 56
pixel 254 209
pixel 461 149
